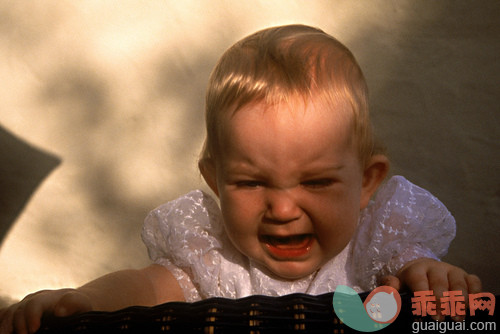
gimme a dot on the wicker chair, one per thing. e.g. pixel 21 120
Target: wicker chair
pixel 254 314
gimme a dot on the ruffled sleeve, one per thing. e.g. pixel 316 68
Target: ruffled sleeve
pixel 403 223
pixel 184 236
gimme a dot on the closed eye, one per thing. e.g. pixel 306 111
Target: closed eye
pixel 318 183
pixel 249 184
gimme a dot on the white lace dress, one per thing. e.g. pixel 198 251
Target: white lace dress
pixel 403 223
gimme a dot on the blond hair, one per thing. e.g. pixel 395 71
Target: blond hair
pixel 277 64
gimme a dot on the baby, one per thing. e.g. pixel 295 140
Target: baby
pixel 291 156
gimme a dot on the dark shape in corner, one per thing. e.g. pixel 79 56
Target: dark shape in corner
pixel 22 168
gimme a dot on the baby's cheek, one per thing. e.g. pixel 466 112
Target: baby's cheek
pixel 245 242
pixel 334 239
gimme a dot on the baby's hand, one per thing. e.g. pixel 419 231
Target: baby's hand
pixel 25 316
pixel 428 274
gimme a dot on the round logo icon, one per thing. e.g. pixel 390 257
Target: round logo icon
pixel 379 309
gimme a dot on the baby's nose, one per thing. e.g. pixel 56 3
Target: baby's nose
pixel 282 206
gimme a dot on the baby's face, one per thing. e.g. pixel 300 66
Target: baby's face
pixel 289 185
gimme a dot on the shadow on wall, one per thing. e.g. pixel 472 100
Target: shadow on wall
pixel 435 103
pixel 109 139
pixel 22 168
pixel 128 128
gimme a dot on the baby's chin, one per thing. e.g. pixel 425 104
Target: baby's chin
pixel 291 270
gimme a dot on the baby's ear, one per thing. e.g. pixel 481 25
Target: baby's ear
pixel 375 172
pixel 208 171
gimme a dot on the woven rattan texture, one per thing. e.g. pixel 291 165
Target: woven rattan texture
pixel 255 314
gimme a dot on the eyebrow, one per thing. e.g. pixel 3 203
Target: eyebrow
pixel 325 169
pixel 241 167
pixel 246 167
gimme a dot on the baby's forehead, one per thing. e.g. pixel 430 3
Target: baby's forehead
pixel 302 119
pixel 293 108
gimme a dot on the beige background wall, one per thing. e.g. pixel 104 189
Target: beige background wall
pixel 114 89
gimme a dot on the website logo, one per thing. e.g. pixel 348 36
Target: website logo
pixel 379 310
pixel 452 303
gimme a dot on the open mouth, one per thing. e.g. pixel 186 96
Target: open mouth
pixel 289 246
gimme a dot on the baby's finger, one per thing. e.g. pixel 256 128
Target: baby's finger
pixel 415 281
pixel 457 282
pixel 71 303
pixel 19 321
pixel 392 281
pixel 474 283
pixel 438 282
pixel 6 321
pixel 3 318
pixel 28 313
pixel 33 312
